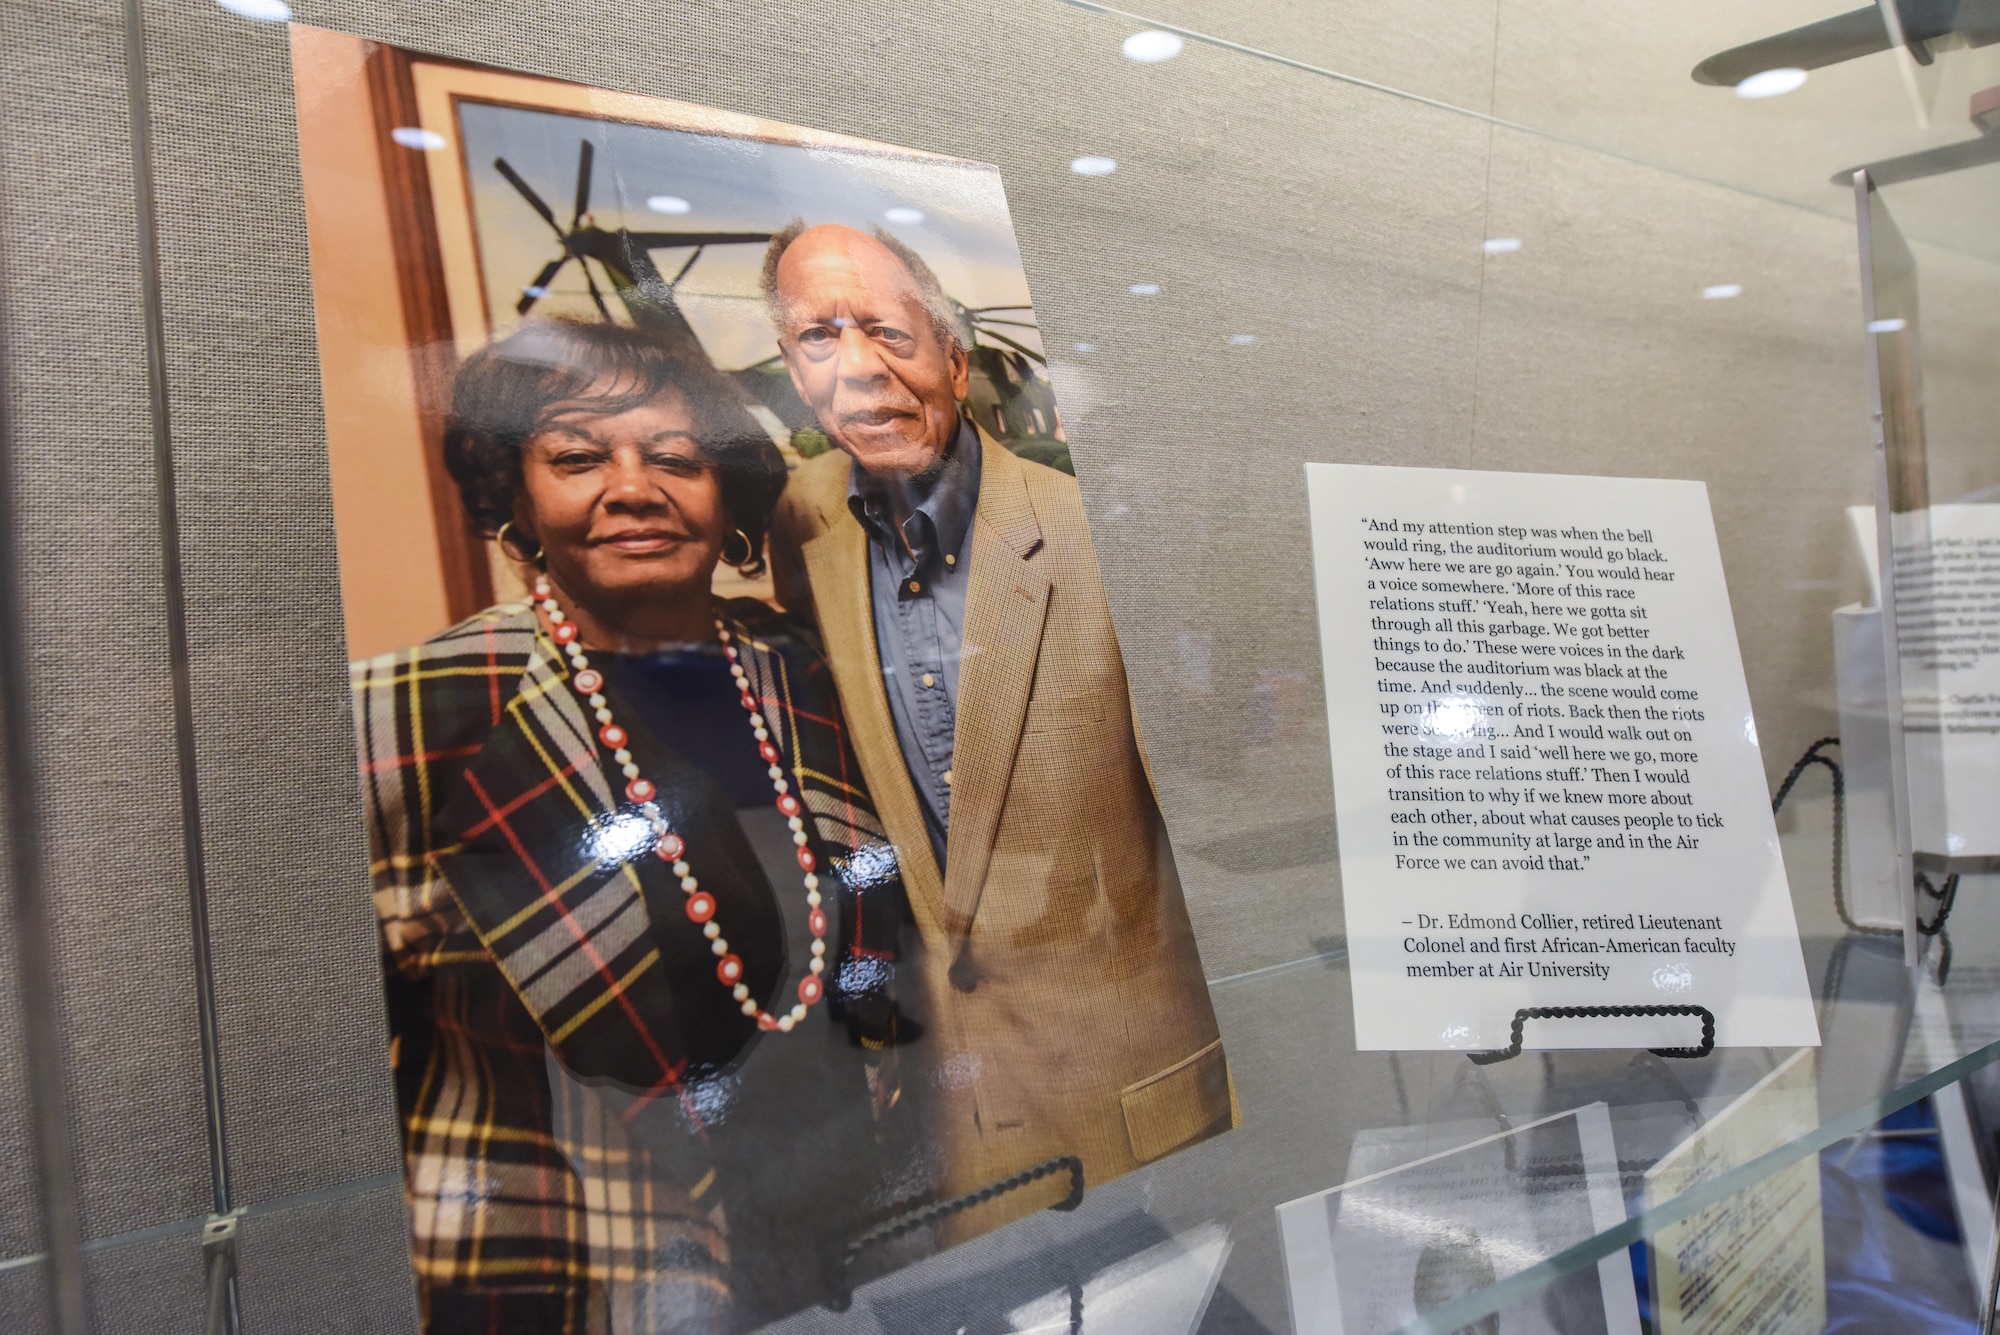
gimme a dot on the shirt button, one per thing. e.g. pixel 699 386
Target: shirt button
pixel 929 680
pixel 947 778
pixel 916 587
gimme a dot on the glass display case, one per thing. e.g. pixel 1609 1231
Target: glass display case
pixel 255 257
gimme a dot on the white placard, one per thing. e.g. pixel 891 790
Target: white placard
pixel 1948 622
pixel 1546 773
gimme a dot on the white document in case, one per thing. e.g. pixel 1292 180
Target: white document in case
pixel 1546 775
pixel 1947 572
pixel 1416 1227
pixel 1756 1261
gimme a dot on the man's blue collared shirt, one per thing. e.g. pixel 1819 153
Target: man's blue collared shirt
pixel 917 580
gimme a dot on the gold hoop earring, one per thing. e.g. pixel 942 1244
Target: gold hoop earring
pixel 749 551
pixel 500 540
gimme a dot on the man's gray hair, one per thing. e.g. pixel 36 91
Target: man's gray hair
pixel 943 313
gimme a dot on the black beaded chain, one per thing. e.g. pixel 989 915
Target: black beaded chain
pixel 907 1222
pixel 1527 1013
pixel 910 1220
pixel 1945 896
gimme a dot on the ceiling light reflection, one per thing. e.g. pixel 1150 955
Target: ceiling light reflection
pixel 1144 289
pixel 904 214
pixel 1242 340
pixel 1454 717
pixel 617 837
pixel 410 136
pixel 1722 291
pixel 260 11
pixel 1500 245
pixel 668 204
pixel 1086 347
pixel 1886 326
pixel 1094 166
pixel 1772 83
pixel 1152 47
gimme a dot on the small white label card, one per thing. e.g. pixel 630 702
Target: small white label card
pixel 1756 1263
pixel 1546 774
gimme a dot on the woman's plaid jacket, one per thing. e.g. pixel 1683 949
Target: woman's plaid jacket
pixel 513 942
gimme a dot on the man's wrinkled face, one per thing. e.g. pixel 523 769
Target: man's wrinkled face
pixel 864 353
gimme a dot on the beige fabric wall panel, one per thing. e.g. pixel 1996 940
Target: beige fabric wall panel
pixel 1620 80
pixel 148 1286
pixel 102 674
pixel 24 1299
pixel 1440 49
pixel 101 677
pixel 1961 325
pixel 20 1219
pixel 1598 353
pixel 302 1033
pixel 336 1266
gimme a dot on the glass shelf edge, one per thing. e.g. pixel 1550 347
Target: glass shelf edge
pixel 1464 1311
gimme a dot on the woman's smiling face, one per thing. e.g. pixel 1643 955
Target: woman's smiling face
pixel 625 505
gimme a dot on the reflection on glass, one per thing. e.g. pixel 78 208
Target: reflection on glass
pixel 1152 47
pixel 411 136
pixel 1772 83
pixel 260 11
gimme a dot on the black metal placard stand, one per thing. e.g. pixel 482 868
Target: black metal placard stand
pixel 912 1218
pixel 917 1217
pixel 1527 1013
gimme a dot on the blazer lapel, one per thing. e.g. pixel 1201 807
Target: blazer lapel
pixel 1006 605
pixel 520 847
pixel 837 565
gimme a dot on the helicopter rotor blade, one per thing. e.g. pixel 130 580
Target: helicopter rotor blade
pixel 538 289
pixel 675 281
pixel 535 201
pixel 675 240
pixel 595 295
pixel 584 158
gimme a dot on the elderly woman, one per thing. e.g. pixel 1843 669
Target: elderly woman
pixel 638 915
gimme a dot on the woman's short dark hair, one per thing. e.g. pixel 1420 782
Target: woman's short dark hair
pixel 505 393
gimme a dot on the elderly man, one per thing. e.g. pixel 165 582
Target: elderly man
pixel 962 610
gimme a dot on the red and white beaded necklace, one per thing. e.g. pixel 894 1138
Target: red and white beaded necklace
pixel 671 848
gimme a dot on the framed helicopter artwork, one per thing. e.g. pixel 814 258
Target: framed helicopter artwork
pixel 765 858
pixel 505 197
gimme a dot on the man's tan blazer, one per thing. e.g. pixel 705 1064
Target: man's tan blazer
pixel 1067 1007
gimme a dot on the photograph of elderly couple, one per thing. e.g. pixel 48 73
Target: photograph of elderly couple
pixel 771 884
